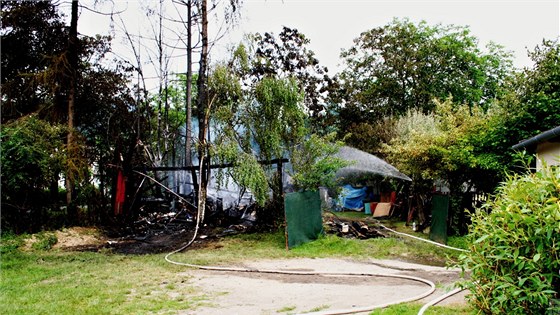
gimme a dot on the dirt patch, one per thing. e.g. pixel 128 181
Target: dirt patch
pixel 317 279
pixel 79 239
pixel 257 293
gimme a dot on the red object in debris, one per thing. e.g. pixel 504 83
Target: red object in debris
pixel 373 205
pixel 120 196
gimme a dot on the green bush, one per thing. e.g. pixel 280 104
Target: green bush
pixel 45 241
pixel 10 242
pixel 32 159
pixel 514 257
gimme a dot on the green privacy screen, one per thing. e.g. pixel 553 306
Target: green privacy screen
pixel 438 229
pixel 303 217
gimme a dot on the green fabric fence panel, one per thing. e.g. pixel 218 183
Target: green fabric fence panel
pixel 303 217
pixel 438 228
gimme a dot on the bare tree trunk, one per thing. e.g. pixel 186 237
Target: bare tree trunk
pixel 72 65
pixel 188 131
pixel 159 41
pixel 202 106
pixel 188 97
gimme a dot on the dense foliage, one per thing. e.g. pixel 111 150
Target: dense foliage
pixel 262 124
pixel 262 105
pixel 514 254
pixel 405 66
pixel 531 105
pixel 439 147
pixel 267 123
pixel 33 155
pixel 35 89
pixel 288 55
pixel 33 39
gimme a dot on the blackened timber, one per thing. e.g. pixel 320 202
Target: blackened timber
pixel 212 166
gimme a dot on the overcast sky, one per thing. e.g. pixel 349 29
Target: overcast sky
pixel 331 25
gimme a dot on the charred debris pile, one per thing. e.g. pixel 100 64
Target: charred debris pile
pixel 164 224
pixel 359 228
pixel 170 216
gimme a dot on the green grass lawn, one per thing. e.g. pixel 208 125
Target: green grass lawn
pixel 35 281
pixel 53 282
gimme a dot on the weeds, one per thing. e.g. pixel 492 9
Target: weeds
pixel 44 241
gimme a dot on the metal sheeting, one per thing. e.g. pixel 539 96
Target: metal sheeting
pixel 363 163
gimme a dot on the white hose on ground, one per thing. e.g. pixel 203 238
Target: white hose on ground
pixel 439 299
pixel 442 297
pixel 315 273
pixel 320 273
pixel 422 239
pixel 341 311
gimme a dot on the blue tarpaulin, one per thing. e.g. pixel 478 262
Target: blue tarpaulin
pixel 352 198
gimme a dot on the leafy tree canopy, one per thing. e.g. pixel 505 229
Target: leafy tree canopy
pixel 264 119
pixel 531 106
pixel 285 56
pixel 403 65
pixel 265 123
pixel 35 89
pixel 436 146
pixel 33 35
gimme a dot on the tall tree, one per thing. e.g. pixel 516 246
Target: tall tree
pixel 203 114
pixel 188 91
pixel 33 37
pixel 266 122
pixel 72 54
pixel 104 115
pixel 262 123
pixel 531 106
pixel 287 55
pixel 204 102
pixel 405 66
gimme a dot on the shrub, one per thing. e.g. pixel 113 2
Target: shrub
pixel 44 241
pixel 514 257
